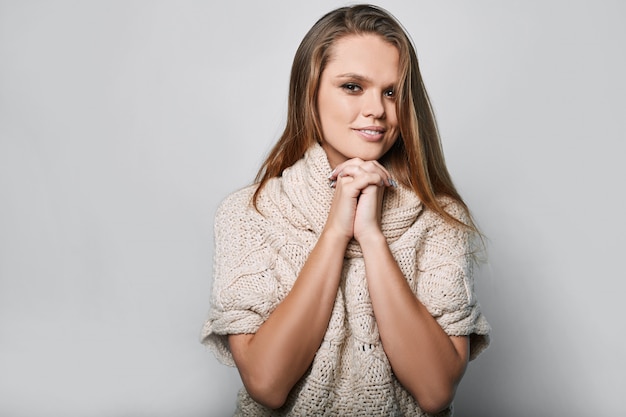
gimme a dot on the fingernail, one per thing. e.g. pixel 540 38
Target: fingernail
pixel 331 173
pixel 332 184
pixel 393 183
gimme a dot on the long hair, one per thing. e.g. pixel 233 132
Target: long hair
pixel 416 158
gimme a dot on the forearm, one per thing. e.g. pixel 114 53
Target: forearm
pixel 424 358
pixel 275 358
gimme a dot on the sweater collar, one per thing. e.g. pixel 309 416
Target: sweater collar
pixel 306 185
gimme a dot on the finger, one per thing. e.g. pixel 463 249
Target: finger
pixel 375 166
pixel 335 172
pixel 346 168
pixel 388 177
pixel 361 178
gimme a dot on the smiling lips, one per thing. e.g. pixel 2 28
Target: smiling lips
pixel 371 133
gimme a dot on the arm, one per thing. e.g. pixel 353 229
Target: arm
pixel 426 361
pixel 272 360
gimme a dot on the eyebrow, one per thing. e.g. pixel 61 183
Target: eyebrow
pixel 355 76
pixel 361 78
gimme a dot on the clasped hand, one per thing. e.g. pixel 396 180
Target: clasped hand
pixel 357 204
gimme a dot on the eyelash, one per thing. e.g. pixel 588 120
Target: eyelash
pixel 353 88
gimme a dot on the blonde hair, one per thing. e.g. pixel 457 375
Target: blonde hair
pixel 416 158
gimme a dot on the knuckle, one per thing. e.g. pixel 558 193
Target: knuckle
pixel 375 177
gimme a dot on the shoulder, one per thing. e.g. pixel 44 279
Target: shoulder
pixel 454 208
pixel 237 202
pixel 239 208
pixel 239 228
pixel 456 232
pixel 235 210
pixel 451 206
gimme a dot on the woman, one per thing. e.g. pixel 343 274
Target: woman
pixel 343 281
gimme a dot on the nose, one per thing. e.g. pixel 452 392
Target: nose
pixel 373 105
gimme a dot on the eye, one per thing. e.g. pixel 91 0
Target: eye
pixel 351 87
pixel 390 93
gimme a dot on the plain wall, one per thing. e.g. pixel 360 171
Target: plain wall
pixel 123 124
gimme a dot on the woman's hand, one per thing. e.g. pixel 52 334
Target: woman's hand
pixel 357 204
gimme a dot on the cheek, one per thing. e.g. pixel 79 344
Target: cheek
pixel 339 110
pixel 392 116
pixel 335 103
pixel 325 104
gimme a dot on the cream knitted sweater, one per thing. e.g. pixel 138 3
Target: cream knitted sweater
pixel 258 257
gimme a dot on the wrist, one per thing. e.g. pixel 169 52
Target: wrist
pixel 335 237
pixel 371 238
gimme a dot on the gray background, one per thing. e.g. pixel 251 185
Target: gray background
pixel 124 123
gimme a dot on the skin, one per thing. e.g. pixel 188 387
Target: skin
pixel 356 102
pixel 356 92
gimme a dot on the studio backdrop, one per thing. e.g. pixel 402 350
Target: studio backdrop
pixel 123 124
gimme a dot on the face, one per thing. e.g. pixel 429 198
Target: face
pixel 356 99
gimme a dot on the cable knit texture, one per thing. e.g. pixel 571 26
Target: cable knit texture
pixel 258 257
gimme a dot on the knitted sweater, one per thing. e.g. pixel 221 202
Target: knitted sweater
pixel 258 257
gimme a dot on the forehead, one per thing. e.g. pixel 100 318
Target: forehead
pixel 368 55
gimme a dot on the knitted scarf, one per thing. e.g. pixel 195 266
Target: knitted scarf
pixel 306 188
pixel 258 256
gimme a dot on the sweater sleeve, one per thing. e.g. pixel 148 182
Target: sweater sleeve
pixel 445 282
pixel 245 290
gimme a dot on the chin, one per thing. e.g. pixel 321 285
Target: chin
pixel 371 154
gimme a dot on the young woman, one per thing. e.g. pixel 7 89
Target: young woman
pixel 343 276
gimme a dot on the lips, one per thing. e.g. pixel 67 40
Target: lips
pixel 371 133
